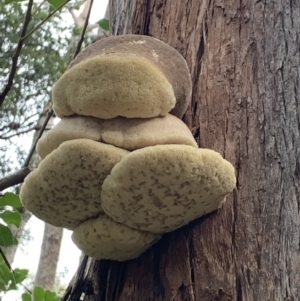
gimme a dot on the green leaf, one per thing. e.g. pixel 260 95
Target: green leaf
pixel 8 279
pixel 12 1
pixel 50 296
pixel 104 24
pixel 6 275
pixel 38 294
pixel 56 3
pixel 11 217
pixel 6 237
pixel 10 199
pixel 26 297
pixel 20 275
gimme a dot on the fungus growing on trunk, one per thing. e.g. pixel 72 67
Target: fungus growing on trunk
pixel 129 134
pixel 65 189
pixel 124 76
pixel 162 188
pixel 120 95
pixel 103 238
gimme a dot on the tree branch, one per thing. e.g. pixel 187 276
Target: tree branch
pixel 14 178
pixel 16 55
pixel 83 30
pixel 31 152
pixel 18 133
pixel 45 20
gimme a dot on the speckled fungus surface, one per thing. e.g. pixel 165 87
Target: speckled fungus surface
pixel 65 189
pixel 103 238
pixel 129 134
pixel 161 188
pixel 155 54
pixel 113 85
pixel 120 168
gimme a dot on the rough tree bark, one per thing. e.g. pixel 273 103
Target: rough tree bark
pixel 244 58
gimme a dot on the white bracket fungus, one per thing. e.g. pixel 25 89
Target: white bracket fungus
pixel 152 56
pixel 162 188
pixel 124 170
pixel 129 134
pixel 65 189
pixel 103 238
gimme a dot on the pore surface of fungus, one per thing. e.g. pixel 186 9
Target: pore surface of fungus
pixel 161 188
pixel 113 85
pixel 65 189
pixel 163 56
pixel 103 238
pixel 130 134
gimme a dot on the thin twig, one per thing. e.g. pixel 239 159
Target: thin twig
pixel 38 8
pixel 31 152
pixel 16 55
pixel 18 133
pixel 79 44
pixel 45 20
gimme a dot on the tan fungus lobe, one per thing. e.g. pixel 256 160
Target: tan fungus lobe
pixel 103 238
pixel 113 85
pixel 167 59
pixel 65 189
pixel 161 188
pixel 129 134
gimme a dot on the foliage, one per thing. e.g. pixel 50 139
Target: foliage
pixel 9 217
pixel 104 24
pixel 39 294
pixel 9 278
pixel 42 61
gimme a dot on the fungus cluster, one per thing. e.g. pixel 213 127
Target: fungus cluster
pixel 121 168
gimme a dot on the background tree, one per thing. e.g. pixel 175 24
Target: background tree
pixel 244 60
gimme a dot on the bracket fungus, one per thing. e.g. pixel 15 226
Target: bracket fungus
pixel 130 76
pixel 162 188
pixel 129 134
pixel 103 238
pixel 65 189
pixel 121 168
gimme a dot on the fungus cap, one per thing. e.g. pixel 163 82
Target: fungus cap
pixel 65 189
pixel 163 56
pixel 161 188
pixel 113 85
pixel 103 238
pixel 125 133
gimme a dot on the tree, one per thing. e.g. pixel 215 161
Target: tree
pixel 244 60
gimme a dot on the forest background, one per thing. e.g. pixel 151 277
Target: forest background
pixel 23 113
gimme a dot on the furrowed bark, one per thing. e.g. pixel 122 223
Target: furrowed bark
pixel 244 60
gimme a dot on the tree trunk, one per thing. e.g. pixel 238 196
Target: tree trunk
pixel 244 59
pixel 45 275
